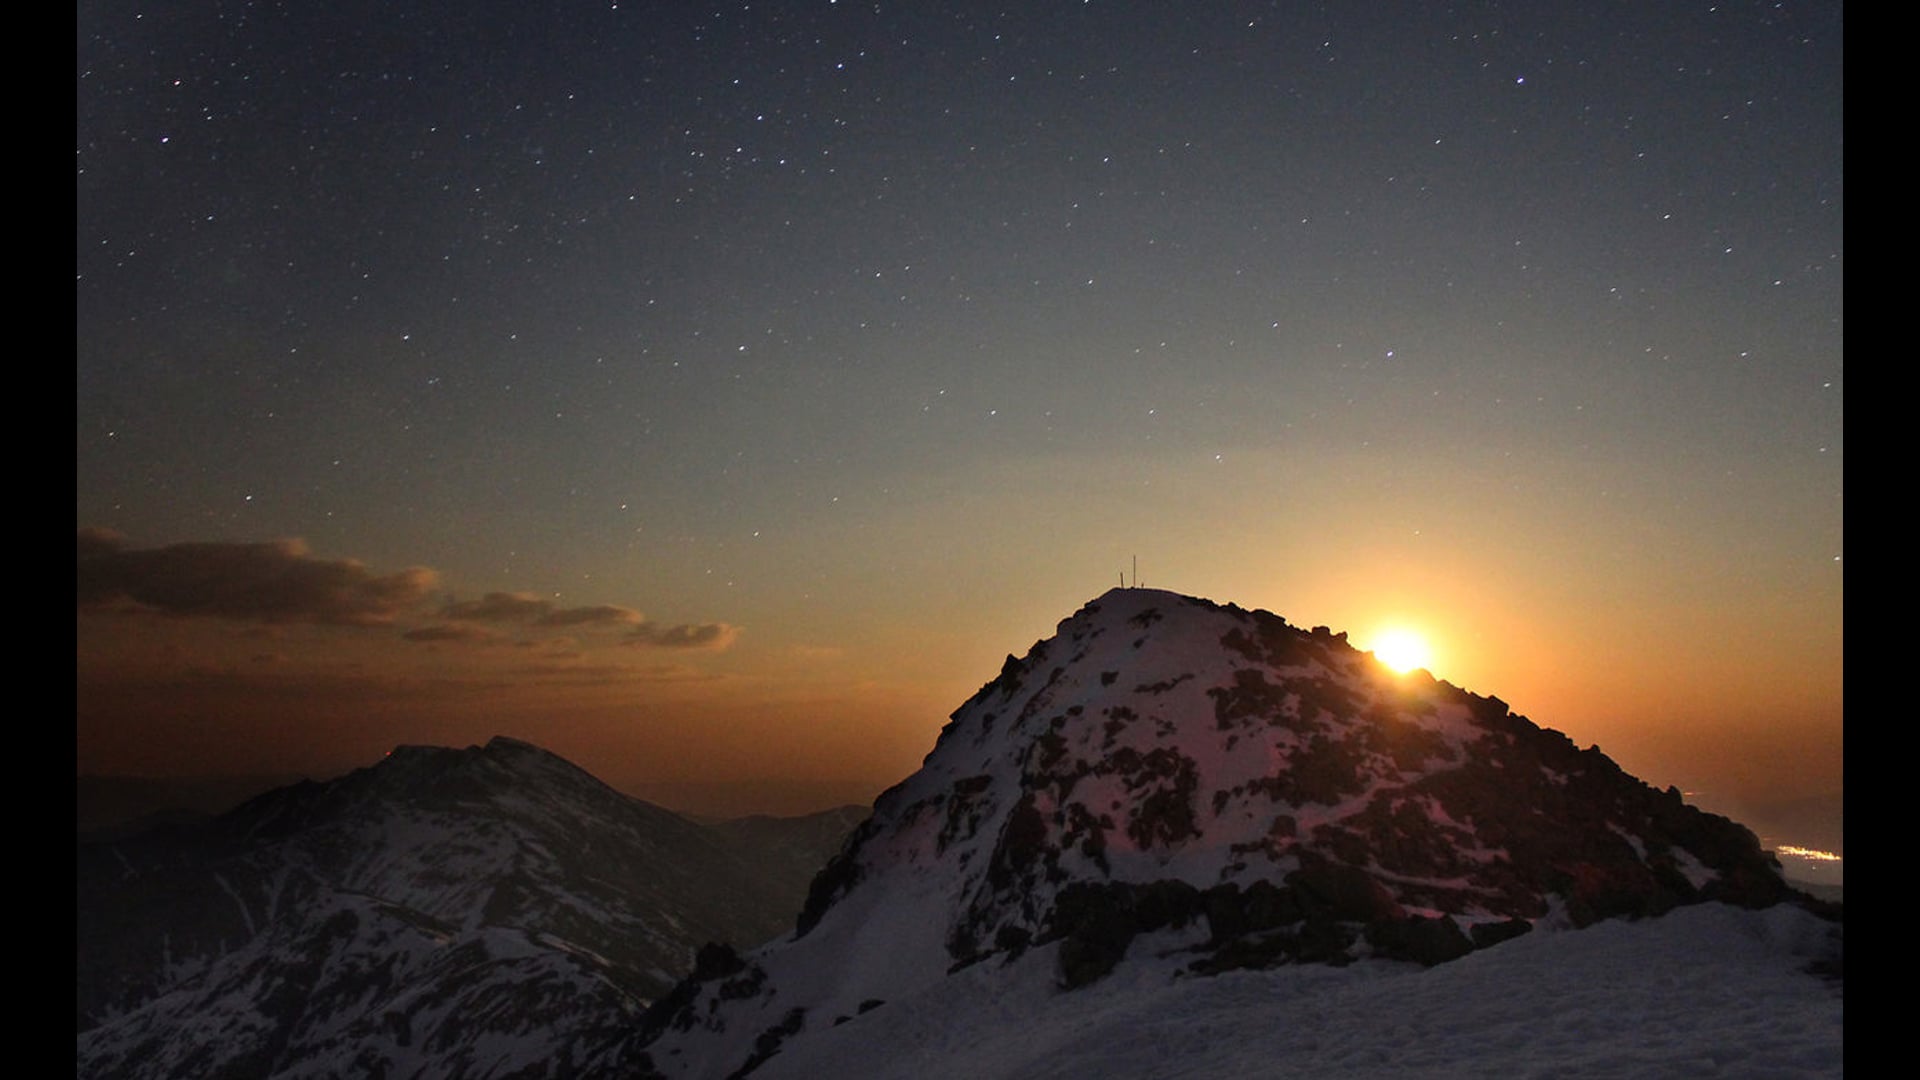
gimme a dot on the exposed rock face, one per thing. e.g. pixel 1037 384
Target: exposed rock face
pixel 1165 762
pixel 490 911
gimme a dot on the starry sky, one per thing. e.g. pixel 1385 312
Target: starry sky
pixel 714 394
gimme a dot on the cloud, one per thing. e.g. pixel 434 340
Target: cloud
pixel 597 615
pixel 92 540
pixel 521 607
pixel 279 582
pixel 499 607
pixel 584 674
pixel 273 582
pixel 713 636
pixel 452 632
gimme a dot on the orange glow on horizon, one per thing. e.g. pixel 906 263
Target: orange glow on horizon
pixel 1403 649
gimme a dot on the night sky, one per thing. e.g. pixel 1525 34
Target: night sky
pixel 714 394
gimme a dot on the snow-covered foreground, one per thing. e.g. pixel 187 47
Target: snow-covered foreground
pixel 1705 991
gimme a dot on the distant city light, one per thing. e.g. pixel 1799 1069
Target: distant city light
pixel 1807 853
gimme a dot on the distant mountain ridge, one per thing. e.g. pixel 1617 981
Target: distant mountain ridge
pixel 485 911
pixel 1241 791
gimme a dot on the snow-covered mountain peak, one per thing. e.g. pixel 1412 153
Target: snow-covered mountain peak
pixel 1264 794
pixel 1160 737
pixel 486 911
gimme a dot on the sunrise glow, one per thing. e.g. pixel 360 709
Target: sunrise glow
pixel 1402 650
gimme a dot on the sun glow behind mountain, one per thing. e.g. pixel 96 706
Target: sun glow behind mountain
pixel 1402 649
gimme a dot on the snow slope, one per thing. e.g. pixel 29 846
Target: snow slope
pixel 1170 774
pixel 1708 991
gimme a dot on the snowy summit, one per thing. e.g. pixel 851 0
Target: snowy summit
pixel 1169 790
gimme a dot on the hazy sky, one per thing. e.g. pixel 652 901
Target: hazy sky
pixel 715 393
